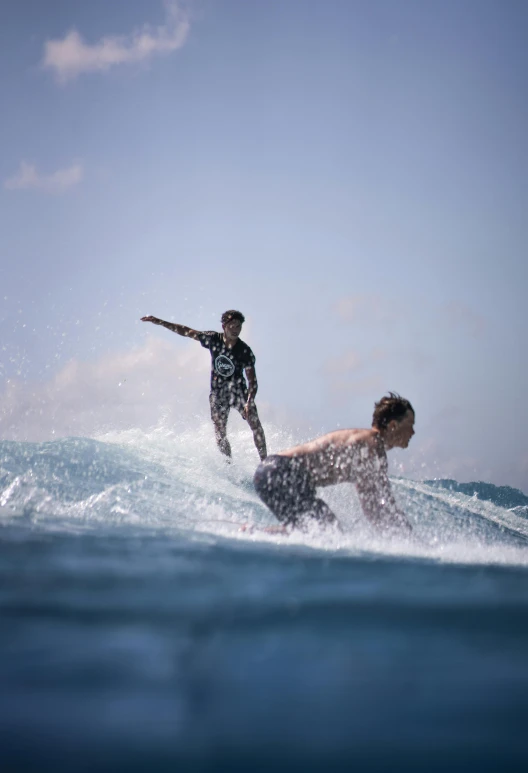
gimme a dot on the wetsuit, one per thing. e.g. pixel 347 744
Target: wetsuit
pixel 228 383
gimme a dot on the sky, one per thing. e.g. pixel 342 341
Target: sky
pixel 352 175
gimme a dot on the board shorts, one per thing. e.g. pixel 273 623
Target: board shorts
pixel 285 485
pixel 224 398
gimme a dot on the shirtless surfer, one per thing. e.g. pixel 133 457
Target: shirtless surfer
pixel 287 482
pixel 230 358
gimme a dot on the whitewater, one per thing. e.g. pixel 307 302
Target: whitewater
pixel 150 622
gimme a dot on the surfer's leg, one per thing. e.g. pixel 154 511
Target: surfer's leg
pixel 258 433
pixel 322 514
pixel 219 415
pixel 269 480
pixel 285 487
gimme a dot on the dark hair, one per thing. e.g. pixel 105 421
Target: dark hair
pixel 227 316
pixel 390 407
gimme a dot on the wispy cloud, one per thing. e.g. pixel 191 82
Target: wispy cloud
pixel 389 314
pixel 351 374
pixel 56 182
pixel 71 56
pixel 374 309
pixel 351 361
pixel 342 389
pixel 135 388
pixel 461 317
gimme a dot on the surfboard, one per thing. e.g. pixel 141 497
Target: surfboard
pixel 277 530
pixel 250 528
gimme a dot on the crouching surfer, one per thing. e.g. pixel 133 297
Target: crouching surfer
pixel 287 482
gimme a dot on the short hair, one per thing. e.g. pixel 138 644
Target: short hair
pixel 390 407
pixel 227 316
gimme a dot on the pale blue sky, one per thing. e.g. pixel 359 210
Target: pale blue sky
pixel 351 174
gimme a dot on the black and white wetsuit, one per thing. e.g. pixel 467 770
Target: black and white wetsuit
pixel 228 382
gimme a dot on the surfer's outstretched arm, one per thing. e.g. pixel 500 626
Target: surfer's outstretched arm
pixel 182 330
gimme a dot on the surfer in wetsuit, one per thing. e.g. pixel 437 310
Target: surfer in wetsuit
pixel 287 482
pixel 230 358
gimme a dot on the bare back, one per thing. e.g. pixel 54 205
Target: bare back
pixel 341 456
pixel 357 456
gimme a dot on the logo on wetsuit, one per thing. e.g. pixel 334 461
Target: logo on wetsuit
pixel 224 366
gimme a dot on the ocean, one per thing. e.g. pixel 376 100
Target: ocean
pixel 143 629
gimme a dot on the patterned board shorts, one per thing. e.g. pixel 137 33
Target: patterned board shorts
pixel 222 400
pixel 285 485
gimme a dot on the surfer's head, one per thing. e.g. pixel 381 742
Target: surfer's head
pixel 391 407
pixel 232 314
pixel 232 325
pixel 394 417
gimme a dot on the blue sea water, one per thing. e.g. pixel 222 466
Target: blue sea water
pixel 141 629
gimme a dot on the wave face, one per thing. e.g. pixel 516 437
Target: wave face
pixel 137 613
pixel 504 496
pixel 160 481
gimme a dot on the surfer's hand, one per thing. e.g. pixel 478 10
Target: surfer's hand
pixel 245 411
pixel 150 318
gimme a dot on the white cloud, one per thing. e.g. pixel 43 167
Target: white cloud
pixel 129 389
pixel 348 361
pixel 71 56
pixel 57 182
pixel 343 389
pixel 345 375
pixel 388 313
pixel 371 308
pixel 464 319
pixel 351 361
pixel 166 383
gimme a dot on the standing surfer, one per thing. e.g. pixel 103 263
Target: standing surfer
pixel 230 359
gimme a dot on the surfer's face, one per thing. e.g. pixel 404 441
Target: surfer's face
pixel 402 431
pixel 232 329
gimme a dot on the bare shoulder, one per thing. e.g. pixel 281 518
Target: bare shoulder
pixel 367 438
pixel 339 439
